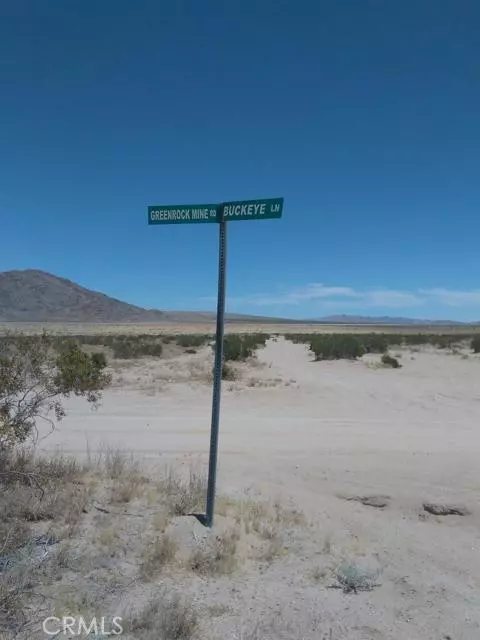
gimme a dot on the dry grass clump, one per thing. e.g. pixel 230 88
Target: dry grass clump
pixel 261 517
pixel 164 618
pixel 219 557
pixel 156 555
pixel 184 497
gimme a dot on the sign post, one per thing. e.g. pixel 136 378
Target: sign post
pixel 221 214
pixel 217 374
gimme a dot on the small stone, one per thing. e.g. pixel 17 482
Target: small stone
pixel 438 509
pixel 377 501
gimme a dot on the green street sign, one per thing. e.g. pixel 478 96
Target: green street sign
pixel 182 214
pixel 251 209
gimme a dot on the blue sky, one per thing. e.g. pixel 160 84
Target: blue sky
pixel 363 115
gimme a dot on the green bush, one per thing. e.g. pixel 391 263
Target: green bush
pixel 235 349
pixel 374 342
pixel 416 339
pixel 475 344
pixel 242 346
pixel 394 339
pixel 126 349
pixel 228 372
pixel 99 359
pixel 336 346
pixel 390 361
pixel 192 340
pixel 36 372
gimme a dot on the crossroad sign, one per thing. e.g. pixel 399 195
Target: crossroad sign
pixel 251 209
pixel 227 211
pixel 220 213
pixel 178 214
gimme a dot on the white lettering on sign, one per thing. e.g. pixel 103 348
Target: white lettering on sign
pixel 199 214
pixel 170 214
pixel 244 210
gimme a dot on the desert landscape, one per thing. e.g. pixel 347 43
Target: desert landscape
pixel 347 494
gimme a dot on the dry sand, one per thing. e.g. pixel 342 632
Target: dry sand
pixel 165 328
pixel 309 435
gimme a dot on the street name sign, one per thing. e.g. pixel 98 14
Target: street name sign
pixel 179 213
pixel 221 213
pixel 251 209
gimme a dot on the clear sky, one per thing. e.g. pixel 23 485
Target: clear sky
pixel 364 115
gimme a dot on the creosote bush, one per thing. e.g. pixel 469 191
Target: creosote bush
pixel 334 347
pixel 126 348
pixel 36 373
pixel 475 344
pixel 390 361
pixel 192 340
pixel 242 346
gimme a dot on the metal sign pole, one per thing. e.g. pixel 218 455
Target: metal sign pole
pixel 217 374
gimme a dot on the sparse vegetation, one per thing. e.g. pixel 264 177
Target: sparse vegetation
pixel 475 344
pixel 157 553
pixel 242 346
pixel 126 349
pixel 228 372
pixel 334 347
pixel 352 577
pixel 218 556
pixel 36 373
pixel 185 497
pixel 192 340
pixel 390 361
pixel 165 618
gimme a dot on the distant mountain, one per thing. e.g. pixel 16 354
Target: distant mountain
pixel 37 296
pixel 346 319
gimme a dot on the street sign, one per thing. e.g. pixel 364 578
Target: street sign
pixel 220 213
pixel 182 214
pixel 252 209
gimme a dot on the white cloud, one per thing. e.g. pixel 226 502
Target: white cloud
pixel 347 297
pixel 453 298
pixel 391 299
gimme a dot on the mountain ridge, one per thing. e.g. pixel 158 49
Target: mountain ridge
pixel 32 295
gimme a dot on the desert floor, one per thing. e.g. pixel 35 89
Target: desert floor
pixel 317 438
pixel 89 328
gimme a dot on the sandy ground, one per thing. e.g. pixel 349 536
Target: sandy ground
pixel 164 328
pixel 310 435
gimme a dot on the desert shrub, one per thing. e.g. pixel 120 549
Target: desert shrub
pixel 394 339
pixel 336 346
pixel 126 348
pixel 240 347
pixel 235 349
pixel 165 617
pixel 416 339
pixel 219 556
pixel 34 378
pixel 475 344
pixel 192 340
pixel 352 577
pixel 300 338
pixel 374 342
pixel 184 497
pixel 156 555
pixel 390 361
pixel 100 359
pixel 228 372
pixel 255 340
pixel 445 341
